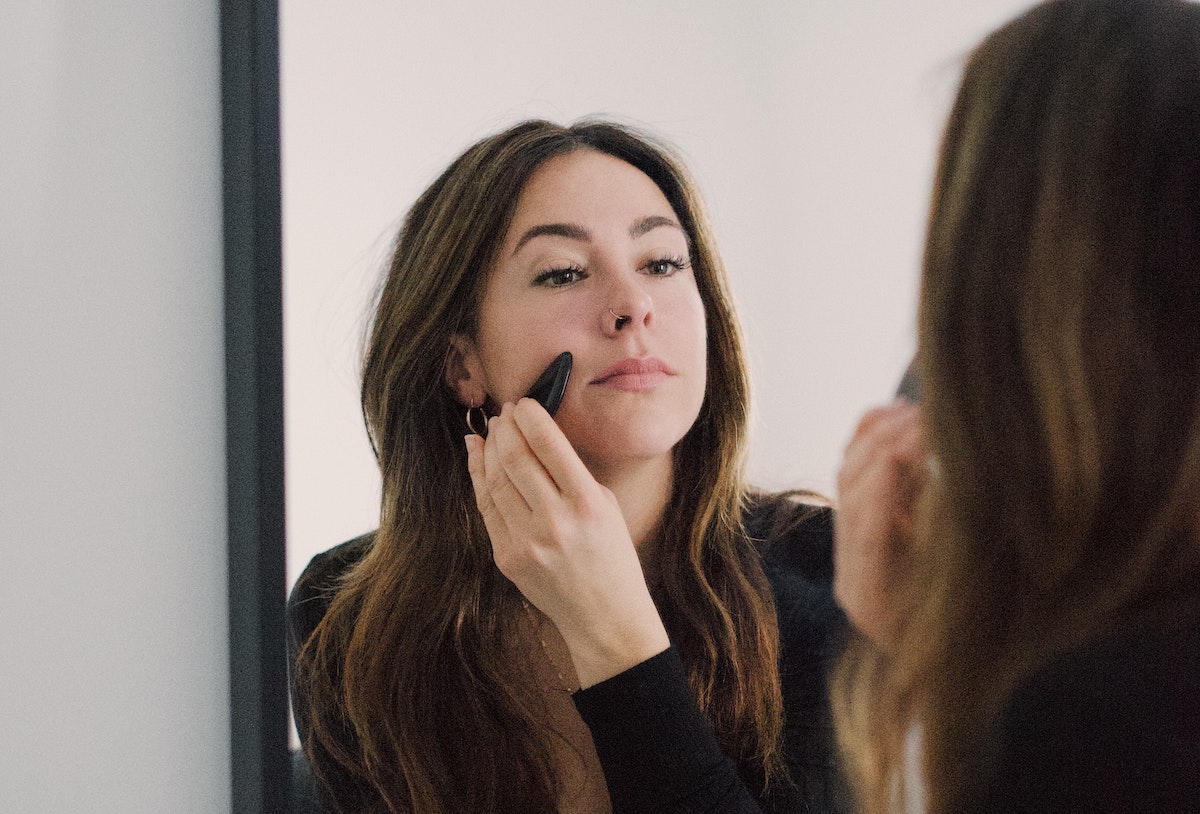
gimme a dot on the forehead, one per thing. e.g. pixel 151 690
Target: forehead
pixel 584 186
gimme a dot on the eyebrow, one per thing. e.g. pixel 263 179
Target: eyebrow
pixel 651 223
pixel 574 231
pixel 568 230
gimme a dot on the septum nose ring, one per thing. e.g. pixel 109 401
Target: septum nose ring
pixel 622 319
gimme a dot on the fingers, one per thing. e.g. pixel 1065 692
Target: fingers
pixel 513 476
pixel 883 463
pixel 526 448
pixel 553 450
pixel 522 506
pixel 878 486
pixel 563 541
pixel 492 518
pixel 891 437
pixel 519 460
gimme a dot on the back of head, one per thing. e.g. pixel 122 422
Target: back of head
pixel 1060 316
pixel 1060 351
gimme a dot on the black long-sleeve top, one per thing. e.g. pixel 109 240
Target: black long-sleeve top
pixel 657 749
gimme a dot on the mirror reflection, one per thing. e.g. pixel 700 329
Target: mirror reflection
pixel 810 131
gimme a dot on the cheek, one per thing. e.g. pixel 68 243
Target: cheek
pixel 519 345
pixel 682 320
pixel 699 342
pixel 687 314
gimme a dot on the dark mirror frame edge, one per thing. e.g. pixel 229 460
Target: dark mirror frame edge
pixel 252 221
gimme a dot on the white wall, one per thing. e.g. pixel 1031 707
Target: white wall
pixel 812 127
pixel 113 643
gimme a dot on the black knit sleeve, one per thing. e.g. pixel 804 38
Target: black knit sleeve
pixel 656 747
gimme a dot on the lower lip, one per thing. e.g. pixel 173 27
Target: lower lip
pixel 634 382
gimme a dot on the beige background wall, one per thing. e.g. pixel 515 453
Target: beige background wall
pixel 113 622
pixel 812 127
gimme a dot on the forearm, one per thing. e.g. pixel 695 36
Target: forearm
pixel 656 746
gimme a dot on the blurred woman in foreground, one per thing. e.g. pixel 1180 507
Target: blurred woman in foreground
pixel 1022 551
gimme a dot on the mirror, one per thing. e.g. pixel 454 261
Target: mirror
pixel 811 127
pixel 812 130
pixel 258 699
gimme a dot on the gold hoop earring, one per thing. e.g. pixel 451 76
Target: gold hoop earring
pixel 471 423
pixel 622 319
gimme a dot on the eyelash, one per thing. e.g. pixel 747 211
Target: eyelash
pixel 547 276
pixel 553 277
pixel 676 262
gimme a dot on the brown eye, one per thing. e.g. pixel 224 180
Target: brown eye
pixel 557 278
pixel 666 266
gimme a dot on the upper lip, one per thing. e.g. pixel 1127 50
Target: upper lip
pixel 636 367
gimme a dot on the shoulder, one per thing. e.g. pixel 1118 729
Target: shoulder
pixel 793 531
pixel 1113 725
pixel 795 537
pixel 318 582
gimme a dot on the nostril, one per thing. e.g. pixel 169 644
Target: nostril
pixel 622 319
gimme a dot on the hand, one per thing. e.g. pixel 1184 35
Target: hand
pixel 883 471
pixel 561 538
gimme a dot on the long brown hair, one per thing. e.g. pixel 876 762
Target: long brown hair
pixel 412 705
pixel 1060 350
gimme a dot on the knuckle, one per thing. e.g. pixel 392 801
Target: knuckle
pixel 536 431
pixel 517 561
pixel 509 453
pixel 505 562
pixel 870 418
pixel 843 480
pixel 502 488
pixel 559 528
pixel 495 479
pixel 587 508
pixel 524 409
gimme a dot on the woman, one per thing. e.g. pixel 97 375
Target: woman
pixel 1032 617
pixel 638 660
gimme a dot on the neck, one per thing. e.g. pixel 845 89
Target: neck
pixel 642 489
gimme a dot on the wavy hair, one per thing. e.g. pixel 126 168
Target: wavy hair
pixel 413 706
pixel 1060 350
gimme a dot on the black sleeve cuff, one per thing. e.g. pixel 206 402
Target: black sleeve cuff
pixel 657 748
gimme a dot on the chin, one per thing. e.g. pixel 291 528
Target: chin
pixel 604 445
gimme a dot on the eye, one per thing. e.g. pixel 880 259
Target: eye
pixel 557 278
pixel 666 266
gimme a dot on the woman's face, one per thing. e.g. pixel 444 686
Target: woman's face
pixel 594 239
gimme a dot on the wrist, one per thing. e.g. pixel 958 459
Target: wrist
pixel 611 647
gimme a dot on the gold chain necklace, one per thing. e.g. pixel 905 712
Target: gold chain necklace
pixel 563 684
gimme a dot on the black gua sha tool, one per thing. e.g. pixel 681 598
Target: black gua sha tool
pixel 549 388
pixel 910 385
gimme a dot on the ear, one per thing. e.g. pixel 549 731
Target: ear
pixel 464 372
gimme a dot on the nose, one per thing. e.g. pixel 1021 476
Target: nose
pixel 628 306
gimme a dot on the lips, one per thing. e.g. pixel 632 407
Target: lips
pixel 635 375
